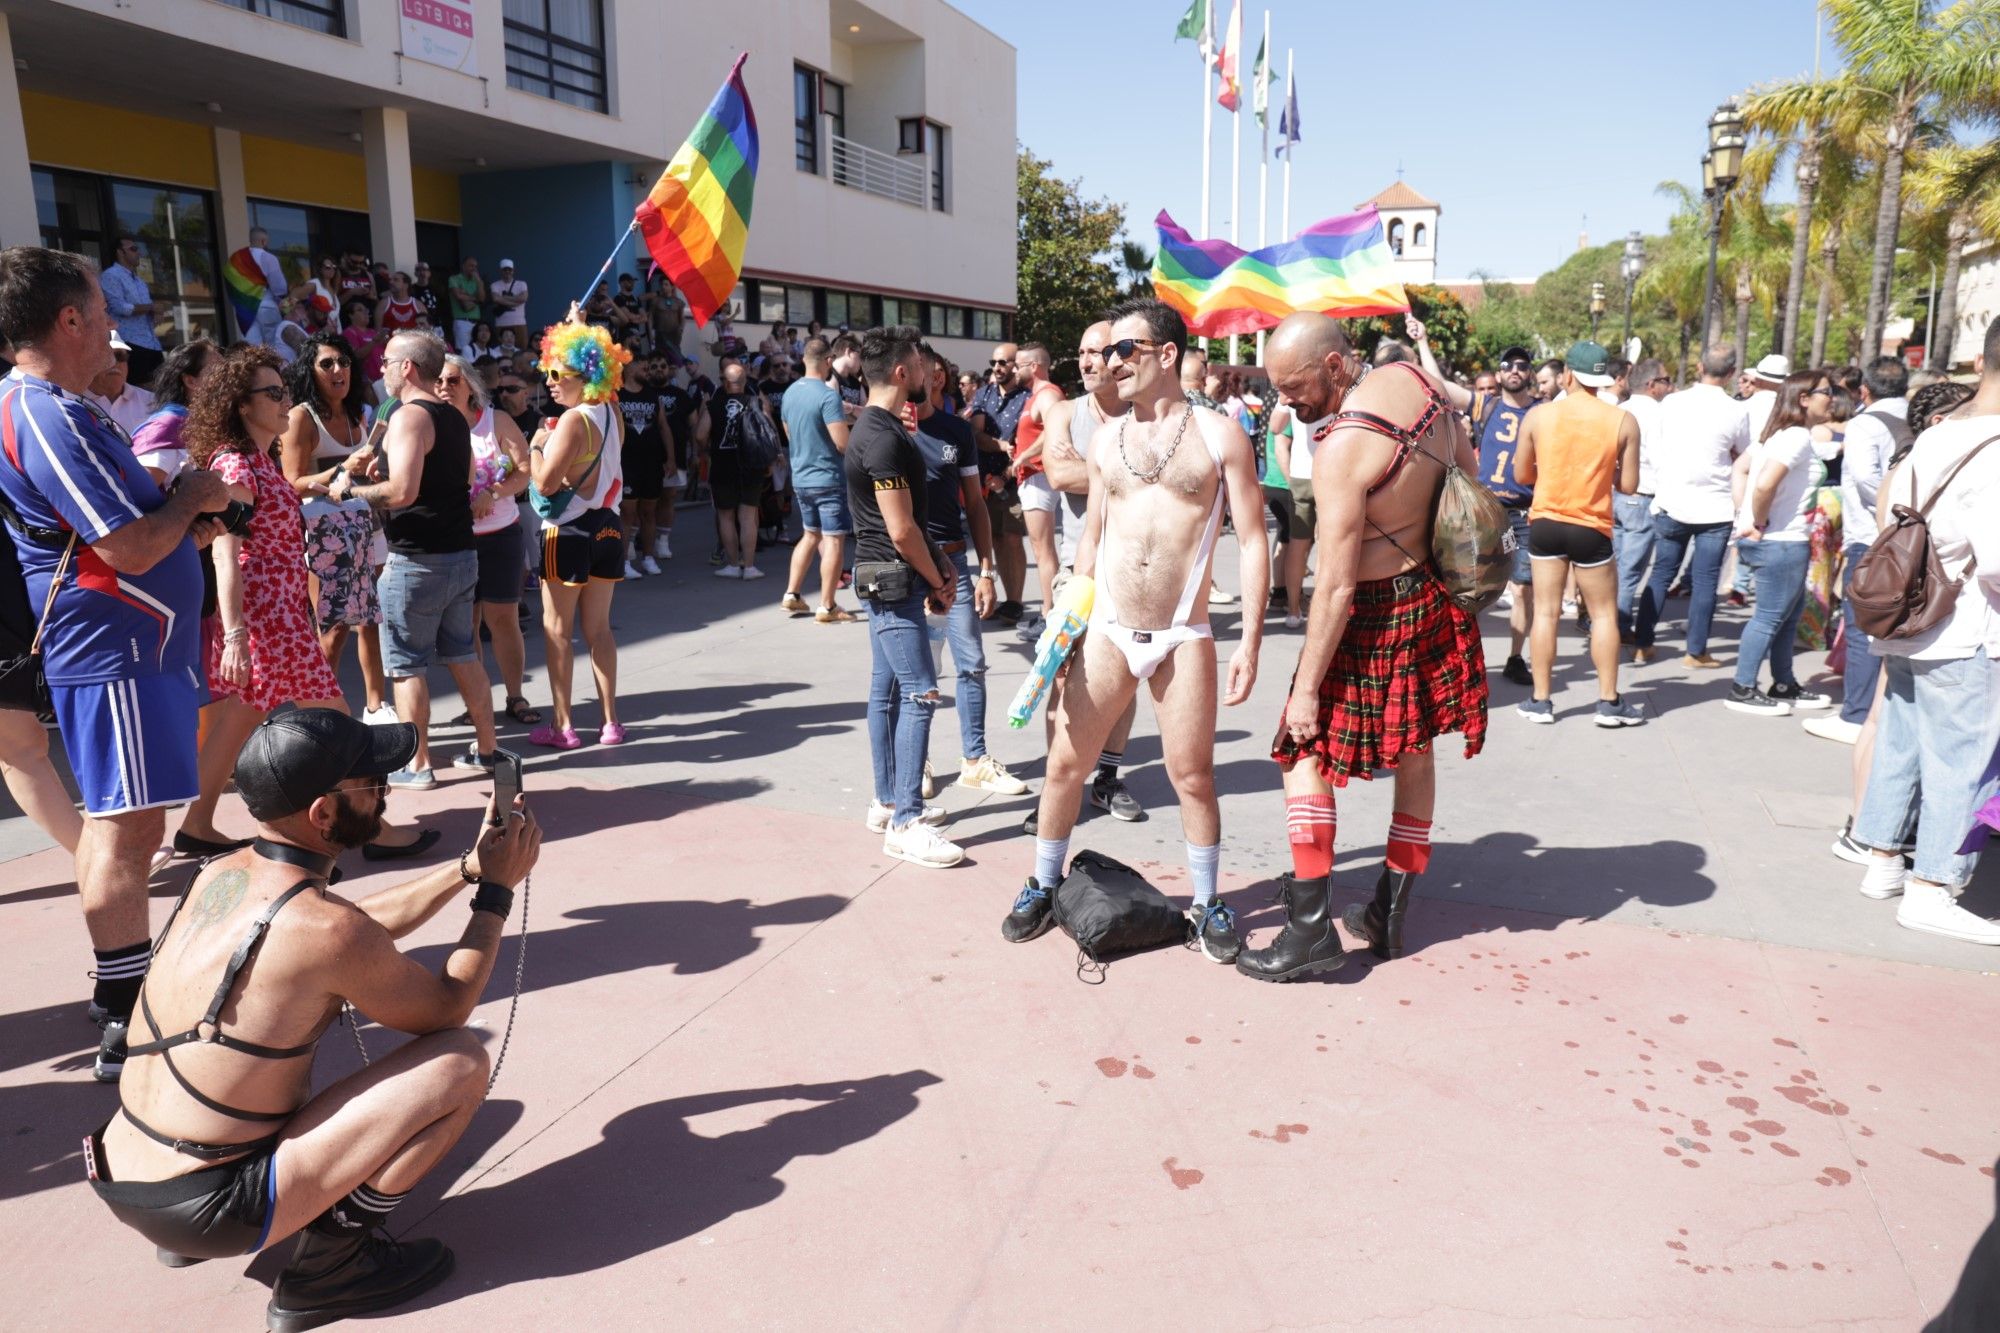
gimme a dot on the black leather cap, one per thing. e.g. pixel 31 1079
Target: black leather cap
pixel 298 755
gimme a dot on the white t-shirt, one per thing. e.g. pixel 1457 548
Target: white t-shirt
pixel 1759 405
pixel 1964 530
pixel 1303 444
pixel 1792 449
pixel 1865 463
pixel 129 409
pixel 515 316
pixel 1697 435
pixel 1645 409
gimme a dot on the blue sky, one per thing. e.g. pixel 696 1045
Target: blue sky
pixel 1518 118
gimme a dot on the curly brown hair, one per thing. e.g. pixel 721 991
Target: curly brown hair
pixel 213 423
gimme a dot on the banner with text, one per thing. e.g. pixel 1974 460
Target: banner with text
pixel 439 32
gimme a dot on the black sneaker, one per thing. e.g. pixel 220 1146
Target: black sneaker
pixel 1517 671
pixel 1750 699
pixel 1108 793
pixel 332 1278
pixel 110 1062
pixel 1032 916
pixel 1800 697
pixel 1212 929
pixel 1009 612
pixel 474 760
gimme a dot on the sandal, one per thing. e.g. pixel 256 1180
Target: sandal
pixel 560 738
pixel 517 708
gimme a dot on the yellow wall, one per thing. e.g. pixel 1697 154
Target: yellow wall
pixel 87 137
pixel 112 142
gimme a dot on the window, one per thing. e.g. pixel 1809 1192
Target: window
pixel 861 311
pixel 936 142
pixel 896 311
pixel 805 119
pixel 988 326
pixel 800 305
pixel 833 104
pixel 770 303
pixel 174 228
pixel 836 309
pixel 1396 235
pixel 555 49
pixel 301 236
pixel 910 136
pixel 327 16
pixel 1420 237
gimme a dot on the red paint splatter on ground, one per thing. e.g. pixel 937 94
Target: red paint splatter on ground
pixel 1183 1177
pixel 1747 1105
pixel 1689 1161
pixel 1700 1127
pixel 1677 1018
pixel 1111 1066
pixel 1819 1268
pixel 1402 1002
pixel 1319 1048
pixel 1572 956
pixel 1780 1041
pixel 1639 1104
pixel 1140 1071
pixel 1572 1045
pixel 1867 1133
pixel 1194 1041
pixel 1804 1097
pixel 1671 1151
pixel 1838 1176
pixel 1708 1066
pixel 1986 1171
pixel 1949 1159
pixel 1065 1103
pixel 1864 1166
pixel 1873 1088
pixel 1590 1073
pixel 1739 1136
pixel 1783 1149
pixel 1809 1073
pixel 1768 1128
pixel 1676 1245
pixel 1781 1265
pixel 1282 1134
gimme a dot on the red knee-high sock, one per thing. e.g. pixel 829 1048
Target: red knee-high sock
pixel 1409 843
pixel 1309 823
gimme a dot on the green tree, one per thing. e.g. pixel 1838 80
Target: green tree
pixel 1066 278
pixel 1446 324
pixel 1504 319
pixel 1137 262
pixel 1962 182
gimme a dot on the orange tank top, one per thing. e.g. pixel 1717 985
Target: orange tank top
pixel 1576 459
pixel 1030 429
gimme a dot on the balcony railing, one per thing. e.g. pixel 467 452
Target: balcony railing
pixel 906 179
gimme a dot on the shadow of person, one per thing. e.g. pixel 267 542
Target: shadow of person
pixel 652 1180
pixel 55 1032
pixel 42 1127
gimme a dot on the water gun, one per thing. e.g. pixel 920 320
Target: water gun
pixel 1065 626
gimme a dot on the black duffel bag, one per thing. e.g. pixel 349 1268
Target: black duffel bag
pixel 1110 910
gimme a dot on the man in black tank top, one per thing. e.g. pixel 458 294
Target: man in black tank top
pixel 428 586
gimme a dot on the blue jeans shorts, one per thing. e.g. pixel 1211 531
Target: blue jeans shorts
pixel 823 509
pixel 427 606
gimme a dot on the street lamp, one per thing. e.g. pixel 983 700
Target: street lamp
pixel 1629 268
pixel 1721 166
pixel 1596 307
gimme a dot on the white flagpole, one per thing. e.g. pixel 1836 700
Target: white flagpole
pixel 1291 146
pixel 1236 168
pixel 1207 115
pixel 1263 154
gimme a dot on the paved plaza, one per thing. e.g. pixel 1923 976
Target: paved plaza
pixel 1652 1063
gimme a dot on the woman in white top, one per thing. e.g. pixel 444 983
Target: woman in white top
pixel 328 433
pixel 292 335
pixel 577 484
pixel 1774 493
pixel 499 474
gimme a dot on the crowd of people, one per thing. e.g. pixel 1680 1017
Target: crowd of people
pixel 410 483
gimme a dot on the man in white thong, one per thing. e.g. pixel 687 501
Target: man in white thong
pixel 1145 649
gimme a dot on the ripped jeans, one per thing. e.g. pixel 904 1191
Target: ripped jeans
pixel 902 698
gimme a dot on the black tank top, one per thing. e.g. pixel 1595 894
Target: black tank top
pixel 439 522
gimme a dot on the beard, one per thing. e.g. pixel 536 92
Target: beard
pixel 353 828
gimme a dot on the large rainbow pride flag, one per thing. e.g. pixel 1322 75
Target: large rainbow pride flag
pixel 1341 266
pixel 244 277
pixel 697 217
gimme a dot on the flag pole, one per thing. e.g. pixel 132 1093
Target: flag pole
pixel 1236 175
pixel 1291 146
pixel 1207 117
pixel 1263 152
pixel 609 260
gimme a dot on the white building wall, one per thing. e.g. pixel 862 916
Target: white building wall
pixel 1978 303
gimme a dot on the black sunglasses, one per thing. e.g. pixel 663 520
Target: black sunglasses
pixel 510 388
pixel 1125 348
pixel 996 361
pixel 1515 365
pixel 277 393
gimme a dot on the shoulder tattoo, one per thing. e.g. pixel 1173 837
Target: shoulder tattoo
pixel 218 898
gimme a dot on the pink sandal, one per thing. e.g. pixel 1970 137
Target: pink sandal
pixel 611 733
pixel 560 738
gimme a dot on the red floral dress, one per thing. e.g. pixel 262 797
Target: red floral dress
pixel 285 660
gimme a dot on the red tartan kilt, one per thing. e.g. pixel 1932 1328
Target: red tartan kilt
pixel 1410 668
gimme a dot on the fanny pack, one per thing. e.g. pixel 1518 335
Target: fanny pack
pixel 549 507
pixel 892 580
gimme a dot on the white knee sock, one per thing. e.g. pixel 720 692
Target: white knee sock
pixel 1050 853
pixel 1203 863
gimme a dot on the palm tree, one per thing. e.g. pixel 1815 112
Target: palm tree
pixel 1676 264
pixel 1137 266
pixel 1809 118
pixel 1909 64
pixel 1963 182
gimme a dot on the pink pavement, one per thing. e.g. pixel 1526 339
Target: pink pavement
pixel 763 1076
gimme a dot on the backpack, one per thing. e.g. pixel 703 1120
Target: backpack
pixel 1108 908
pixel 1472 543
pixel 757 438
pixel 1899 588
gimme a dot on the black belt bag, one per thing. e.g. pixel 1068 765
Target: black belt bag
pixel 884 580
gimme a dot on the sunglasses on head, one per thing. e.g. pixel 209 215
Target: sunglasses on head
pixel 1125 348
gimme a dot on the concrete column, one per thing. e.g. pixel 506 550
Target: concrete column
pixel 18 225
pixel 231 195
pixel 392 199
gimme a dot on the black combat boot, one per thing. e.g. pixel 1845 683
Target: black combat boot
pixel 338 1272
pixel 1381 921
pixel 1310 942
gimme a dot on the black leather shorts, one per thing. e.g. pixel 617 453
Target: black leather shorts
pixel 214 1213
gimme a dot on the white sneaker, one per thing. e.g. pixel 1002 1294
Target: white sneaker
pixel 1934 909
pixel 922 845
pixel 929 788
pixel 648 565
pixel 631 570
pixel 1883 879
pixel 1832 728
pixel 1506 602
pixel 879 816
pixel 988 774
pixel 1220 596
pixel 1293 622
pixel 385 716
pixel 663 547
pixel 728 572
pixel 752 572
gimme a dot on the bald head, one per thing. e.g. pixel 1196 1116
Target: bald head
pixel 1305 357
pixel 1306 335
pixel 1090 355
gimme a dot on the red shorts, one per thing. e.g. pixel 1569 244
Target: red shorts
pixel 1409 668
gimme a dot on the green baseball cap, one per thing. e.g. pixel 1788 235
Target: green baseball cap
pixel 1590 363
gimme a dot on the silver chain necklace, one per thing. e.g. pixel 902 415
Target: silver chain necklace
pixel 1159 464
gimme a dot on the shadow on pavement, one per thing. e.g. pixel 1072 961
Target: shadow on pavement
pixel 652 1180
pixel 42 1125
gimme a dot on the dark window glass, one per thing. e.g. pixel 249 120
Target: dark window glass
pixel 833 102
pixel 805 119
pixel 935 140
pixel 327 16
pixel 555 49
pixel 174 227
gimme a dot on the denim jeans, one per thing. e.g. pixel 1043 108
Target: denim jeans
pixel 902 695
pixel 968 661
pixel 1671 539
pixel 1858 677
pixel 1632 541
pixel 1780 570
pixel 1934 742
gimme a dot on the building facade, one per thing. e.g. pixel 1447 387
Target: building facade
pixel 1978 303
pixel 519 129
pixel 1410 223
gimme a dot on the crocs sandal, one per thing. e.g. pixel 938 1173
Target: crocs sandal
pixel 559 738
pixel 611 733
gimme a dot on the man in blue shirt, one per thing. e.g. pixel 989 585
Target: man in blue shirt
pixel 121 644
pixel 131 304
pixel 816 437
pixel 996 414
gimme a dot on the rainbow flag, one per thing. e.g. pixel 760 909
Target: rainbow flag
pixel 1341 266
pixel 698 216
pixel 244 277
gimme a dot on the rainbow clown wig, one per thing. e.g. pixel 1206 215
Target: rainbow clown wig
pixel 587 352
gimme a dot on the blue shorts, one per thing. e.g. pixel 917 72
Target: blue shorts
pixel 427 605
pixel 131 743
pixel 823 509
pixel 1524 571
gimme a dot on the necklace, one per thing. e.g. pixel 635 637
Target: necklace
pixel 1160 464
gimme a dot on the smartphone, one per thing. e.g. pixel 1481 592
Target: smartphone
pixel 506 780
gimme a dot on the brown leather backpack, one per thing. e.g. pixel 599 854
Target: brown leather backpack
pixel 1899 588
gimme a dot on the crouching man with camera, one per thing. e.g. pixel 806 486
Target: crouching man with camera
pixel 219 1147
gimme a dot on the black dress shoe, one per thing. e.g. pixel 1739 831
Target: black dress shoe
pixel 186 844
pixel 426 840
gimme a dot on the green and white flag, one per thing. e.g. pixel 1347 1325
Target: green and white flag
pixel 1262 77
pixel 1194 23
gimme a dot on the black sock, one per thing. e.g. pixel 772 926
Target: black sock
pixel 119 974
pixel 362 1208
pixel 1107 765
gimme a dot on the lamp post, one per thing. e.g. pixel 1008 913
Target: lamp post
pixel 1596 307
pixel 1721 166
pixel 1628 268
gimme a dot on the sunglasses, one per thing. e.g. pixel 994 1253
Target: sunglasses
pixel 511 388
pixel 996 361
pixel 1821 392
pixel 1125 348
pixel 277 393
pixel 1515 365
pixel 330 364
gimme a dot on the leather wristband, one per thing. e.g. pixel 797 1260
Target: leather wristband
pixel 495 898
